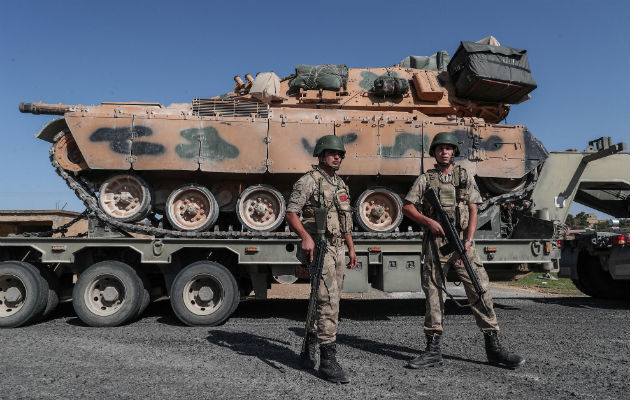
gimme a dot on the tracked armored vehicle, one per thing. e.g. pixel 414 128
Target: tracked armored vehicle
pixel 219 162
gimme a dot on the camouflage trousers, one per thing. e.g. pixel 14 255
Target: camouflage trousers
pixel 433 280
pixel 330 286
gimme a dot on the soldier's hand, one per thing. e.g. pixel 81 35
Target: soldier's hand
pixel 353 259
pixel 308 245
pixel 467 246
pixel 435 228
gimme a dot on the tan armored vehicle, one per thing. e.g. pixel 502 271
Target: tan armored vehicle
pixel 216 162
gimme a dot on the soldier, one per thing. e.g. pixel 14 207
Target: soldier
pixel 322 187
pixel 459 196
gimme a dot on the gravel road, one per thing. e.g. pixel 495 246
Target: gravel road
pixel 576 347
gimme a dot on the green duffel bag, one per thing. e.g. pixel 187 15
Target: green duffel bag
pixel 388 86
pixel 328 77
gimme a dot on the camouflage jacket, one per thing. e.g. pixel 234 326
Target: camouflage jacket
pixel 318 187
pixel 456 191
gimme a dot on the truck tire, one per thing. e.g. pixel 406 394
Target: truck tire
pixel 146 292
pixel 204 293
pixel 109 293
pixel 52 282
pixel 596 282
pixel 23 296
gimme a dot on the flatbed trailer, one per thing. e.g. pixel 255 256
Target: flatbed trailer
pixel 205 278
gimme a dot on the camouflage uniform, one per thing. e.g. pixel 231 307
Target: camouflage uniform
pixel 456 190
pixel 304 199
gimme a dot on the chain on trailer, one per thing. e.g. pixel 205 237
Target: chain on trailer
pixel 88 197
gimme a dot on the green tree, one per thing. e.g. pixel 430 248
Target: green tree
pixel 570 220
pixel 624 222
pixel 580 221
pixel 602 225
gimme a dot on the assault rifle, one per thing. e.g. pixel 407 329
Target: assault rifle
pixel 315 270
pixel 454 243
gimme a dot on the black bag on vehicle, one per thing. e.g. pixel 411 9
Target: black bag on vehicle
pixel 390 86
pixel 491 73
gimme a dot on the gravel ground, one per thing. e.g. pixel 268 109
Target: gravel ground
pixel 575 348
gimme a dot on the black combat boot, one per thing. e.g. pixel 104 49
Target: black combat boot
pixel 497 355
pixel 329 368
pixel 308 358
pixel 432 355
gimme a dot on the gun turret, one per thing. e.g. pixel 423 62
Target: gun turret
pixel 43 108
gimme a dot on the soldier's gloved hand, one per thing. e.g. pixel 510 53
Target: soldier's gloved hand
pixel 353 259
pixel 435 227
pixel 308 245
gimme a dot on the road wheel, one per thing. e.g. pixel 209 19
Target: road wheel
pixel 108 293
pixel 125 198
pixel 378 209
pixel 23 294
pixel 204 293
pixel 191 208
pixel 260 208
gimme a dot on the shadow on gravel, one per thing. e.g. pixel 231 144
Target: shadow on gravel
pixel 384 349
pixel 351 309
pixel 273 352
pixel 585 302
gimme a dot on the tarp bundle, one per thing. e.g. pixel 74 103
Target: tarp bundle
pixel 436 62
pixel 491 73
pixel 390 86
pixel 328 77
pixel 266 87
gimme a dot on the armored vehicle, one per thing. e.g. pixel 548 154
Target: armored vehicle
pixel 218 162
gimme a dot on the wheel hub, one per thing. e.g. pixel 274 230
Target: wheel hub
pixel 377 211
pixel 105 295
pixel 13 295
pixel 260 208
pixel 205 294
pixel 125 198
pixel 191 210
pixel 110 294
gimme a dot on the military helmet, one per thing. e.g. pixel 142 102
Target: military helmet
pixel 444 138
pixel 329 142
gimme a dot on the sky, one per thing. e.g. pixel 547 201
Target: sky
pixel 86 52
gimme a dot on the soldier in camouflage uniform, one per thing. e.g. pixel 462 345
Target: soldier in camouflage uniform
pixel 322 187
pixel 459 196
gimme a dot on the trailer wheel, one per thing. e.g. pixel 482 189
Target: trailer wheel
pixel 204 293
pixel 52 282
pixel 146 292
pixel 596 282
pixel 23 294
pixel 108 293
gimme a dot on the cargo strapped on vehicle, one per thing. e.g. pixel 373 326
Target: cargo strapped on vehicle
pixel 327 77
pixel 491 73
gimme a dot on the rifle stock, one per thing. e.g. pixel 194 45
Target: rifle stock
pixel 454 243
pixel 315 270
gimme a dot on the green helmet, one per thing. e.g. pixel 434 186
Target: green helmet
pixel 329 142
pixel 444 138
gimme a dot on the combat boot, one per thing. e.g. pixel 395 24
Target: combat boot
pixel 432 355
pixel 499 356
pixel 329 368
pixel 308 358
